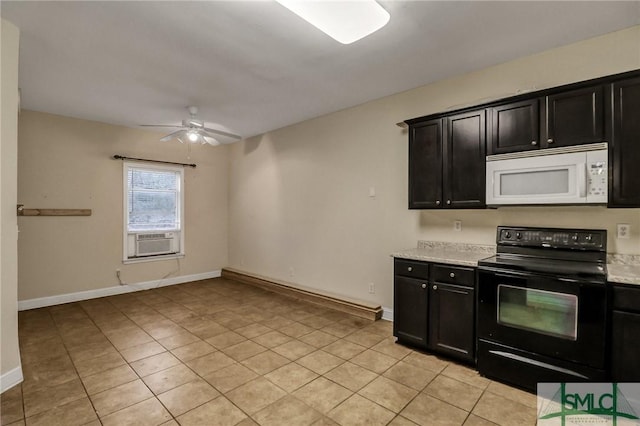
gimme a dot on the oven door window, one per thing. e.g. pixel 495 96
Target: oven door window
pixel 545 312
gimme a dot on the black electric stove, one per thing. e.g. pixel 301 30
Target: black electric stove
pixel 542 306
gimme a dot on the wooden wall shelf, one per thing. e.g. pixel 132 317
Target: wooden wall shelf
pixel 53 212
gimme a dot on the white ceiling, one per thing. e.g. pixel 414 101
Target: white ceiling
pixel 253 66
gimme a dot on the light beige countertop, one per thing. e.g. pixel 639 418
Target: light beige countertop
pixel 621 268
pixel 449 253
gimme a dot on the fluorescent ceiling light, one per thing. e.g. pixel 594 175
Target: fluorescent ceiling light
pixel 345 21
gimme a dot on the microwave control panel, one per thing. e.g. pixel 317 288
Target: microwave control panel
pixel 597 177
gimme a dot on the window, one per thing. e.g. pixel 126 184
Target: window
pixel 153 209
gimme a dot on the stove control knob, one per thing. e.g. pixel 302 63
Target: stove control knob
pixel 574 237
pixel 424 286
pixel 588 237
pixel 507 235
pixel 409 269
pixel 452 275
pixel 518 235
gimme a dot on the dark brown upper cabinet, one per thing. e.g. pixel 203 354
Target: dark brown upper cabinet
pixel 514 127
pixel 572 117
pixel 425 165
pixel 575 117
pixel 465 160
pixel 624 152
pixel 447 162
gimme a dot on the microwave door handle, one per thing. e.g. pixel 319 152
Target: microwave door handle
pixel 581 177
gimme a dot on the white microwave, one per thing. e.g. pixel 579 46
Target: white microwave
pixel 566 175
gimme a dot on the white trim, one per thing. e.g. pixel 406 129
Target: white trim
pixel 387 314
pixel 11 378
pixel 41 302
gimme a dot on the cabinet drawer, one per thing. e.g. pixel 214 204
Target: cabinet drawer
pixel 453 275
pixel 626 298
pixel 411 268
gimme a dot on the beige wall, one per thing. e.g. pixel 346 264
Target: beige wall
pixel 299 196
pixel 9 352
pixel 66 163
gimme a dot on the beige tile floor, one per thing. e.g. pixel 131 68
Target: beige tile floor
pixel 217 352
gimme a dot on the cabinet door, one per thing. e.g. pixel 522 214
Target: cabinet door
pixel 514 127
pixel 465 161
pixel 625 347
pixel 410 310
pixel 575 117
pixel 425 165
pixel 451 320
pixel 625 183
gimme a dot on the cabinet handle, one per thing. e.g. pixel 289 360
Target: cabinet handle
pixel 435 287
pixel 534 143
pixel 452 275
pixel 409 269
pixel 424 286
pixel 549 140
pixel 448 201
pixel 437 202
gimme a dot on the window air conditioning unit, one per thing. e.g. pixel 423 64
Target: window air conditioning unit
pixel 160 243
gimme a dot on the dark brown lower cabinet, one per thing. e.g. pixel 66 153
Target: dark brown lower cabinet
pixel 625 346
pixel 451 320
pixel 625 333
pixel 410 310
pixel 431 313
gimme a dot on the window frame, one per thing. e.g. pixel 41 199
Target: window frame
pixel 126 166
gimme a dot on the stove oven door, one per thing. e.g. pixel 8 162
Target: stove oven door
pixel 560 318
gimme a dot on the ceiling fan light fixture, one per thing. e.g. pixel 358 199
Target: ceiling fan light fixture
pixel 346 21
pixel 193 136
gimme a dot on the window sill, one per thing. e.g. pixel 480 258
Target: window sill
pixel 153 258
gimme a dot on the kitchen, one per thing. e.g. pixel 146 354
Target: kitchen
pixel 334 160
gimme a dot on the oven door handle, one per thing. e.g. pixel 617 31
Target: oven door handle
pixel 538 364
pixel 512 273
pixel 502 273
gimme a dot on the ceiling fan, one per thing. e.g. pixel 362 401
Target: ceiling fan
pixel 194 131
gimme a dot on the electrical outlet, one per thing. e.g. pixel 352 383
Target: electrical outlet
pixel 457 225
pixel 372 288
pixel 624 230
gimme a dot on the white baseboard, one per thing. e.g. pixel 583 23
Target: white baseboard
pixel 387 314
pixel 41 302
pixel 10 379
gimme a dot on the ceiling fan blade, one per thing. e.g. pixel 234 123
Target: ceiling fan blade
pixel 171 135
pixel 159 125
pixel 210 140
pixel 220 141
pixel 221 133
